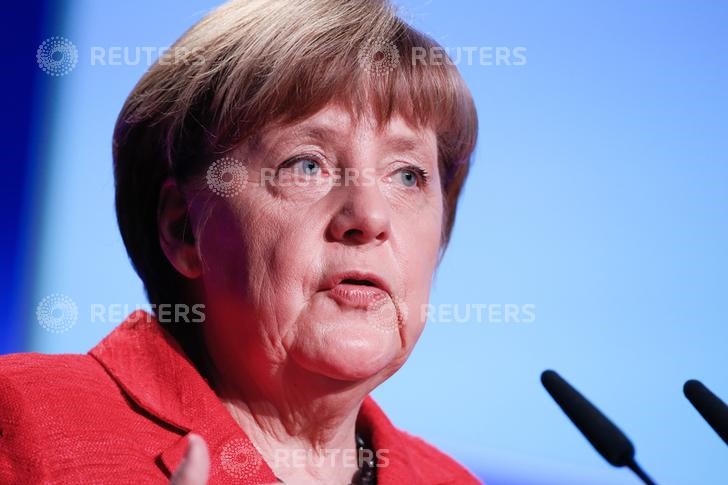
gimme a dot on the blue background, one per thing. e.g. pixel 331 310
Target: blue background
pixel 598 194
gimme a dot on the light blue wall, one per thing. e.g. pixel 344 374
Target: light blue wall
pixel 598 194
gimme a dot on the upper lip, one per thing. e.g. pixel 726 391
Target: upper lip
pixel 376 280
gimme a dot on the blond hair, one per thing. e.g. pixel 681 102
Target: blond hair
pixel 250 63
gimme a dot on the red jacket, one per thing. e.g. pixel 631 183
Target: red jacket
pixel 120 414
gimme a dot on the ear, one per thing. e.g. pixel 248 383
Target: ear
pixel 175 230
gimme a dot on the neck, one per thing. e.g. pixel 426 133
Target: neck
pixel 305 433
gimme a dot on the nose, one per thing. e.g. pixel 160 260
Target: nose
pixel 362 218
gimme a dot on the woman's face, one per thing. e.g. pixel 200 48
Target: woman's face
pixel 324 258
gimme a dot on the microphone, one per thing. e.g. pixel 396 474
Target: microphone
pixel 603 435
pixel 710 407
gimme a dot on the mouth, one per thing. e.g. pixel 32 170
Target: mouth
pixel 357 278
pixel 354 281
pixel 357 289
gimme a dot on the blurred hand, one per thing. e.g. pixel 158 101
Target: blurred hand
pixel 195 466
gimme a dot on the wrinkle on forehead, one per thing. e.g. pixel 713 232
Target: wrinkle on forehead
pixel 336 125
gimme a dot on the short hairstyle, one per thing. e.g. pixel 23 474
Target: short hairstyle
pixel 251 63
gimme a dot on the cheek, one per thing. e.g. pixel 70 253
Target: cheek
pixel 256 255
pixel 226 249
pixel 419 246
pixel 420 234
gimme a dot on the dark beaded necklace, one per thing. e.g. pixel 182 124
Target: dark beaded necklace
pixel 367 473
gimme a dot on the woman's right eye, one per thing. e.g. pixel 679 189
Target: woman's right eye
pixel 302 171
pixel 308 166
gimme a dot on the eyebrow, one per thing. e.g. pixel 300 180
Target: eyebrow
pixel 325 135
pixel 404 143
pixel 317 133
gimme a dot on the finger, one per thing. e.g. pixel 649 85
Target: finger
pixel 195 466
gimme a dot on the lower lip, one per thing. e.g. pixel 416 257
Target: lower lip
pixel 357 296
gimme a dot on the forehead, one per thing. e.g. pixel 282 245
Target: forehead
pixel 335 124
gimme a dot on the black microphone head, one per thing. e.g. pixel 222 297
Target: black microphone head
pixel 603 435
pixel 695 391
pixel 710 407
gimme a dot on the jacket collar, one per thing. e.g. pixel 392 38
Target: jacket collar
pixel 151 368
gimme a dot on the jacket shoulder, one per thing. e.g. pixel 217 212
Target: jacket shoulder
pixel 39 376
pixel 36 392
pixel 43 386
pixel 428 456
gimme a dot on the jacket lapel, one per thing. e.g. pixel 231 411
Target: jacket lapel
pixel 150 367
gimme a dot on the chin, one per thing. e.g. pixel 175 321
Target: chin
pixel 352 351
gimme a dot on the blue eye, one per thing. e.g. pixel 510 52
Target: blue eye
pixel 302 166
pixel 308 166
pixel 303 170
pixel 409 177
pixel 414 176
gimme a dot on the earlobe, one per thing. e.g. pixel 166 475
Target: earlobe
pixel 175 230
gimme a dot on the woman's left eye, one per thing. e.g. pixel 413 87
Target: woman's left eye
pixel 411 176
